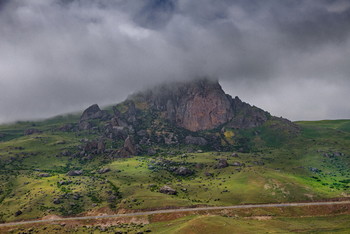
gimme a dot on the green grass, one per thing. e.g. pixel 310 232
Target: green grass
pixel 219 224
pixel 277 169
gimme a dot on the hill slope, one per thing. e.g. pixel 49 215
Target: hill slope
pixel 145 153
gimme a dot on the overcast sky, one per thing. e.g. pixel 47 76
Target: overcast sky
pixel 290 57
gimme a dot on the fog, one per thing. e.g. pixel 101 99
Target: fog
pixel 288 57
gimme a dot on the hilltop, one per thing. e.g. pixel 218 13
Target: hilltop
pixel 181 144
pixel 196 113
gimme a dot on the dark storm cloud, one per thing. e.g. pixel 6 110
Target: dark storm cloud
pixel 155 14
pixel 289 57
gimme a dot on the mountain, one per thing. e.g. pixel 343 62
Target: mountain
pixel 200 105
pixel 178 144
pixel 195 112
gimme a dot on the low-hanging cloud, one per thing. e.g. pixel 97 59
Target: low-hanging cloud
pixel 288 57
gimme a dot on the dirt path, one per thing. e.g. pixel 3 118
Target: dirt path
pixel 176 211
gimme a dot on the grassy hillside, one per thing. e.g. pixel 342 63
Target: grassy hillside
pixel 276 167
pixel 264 224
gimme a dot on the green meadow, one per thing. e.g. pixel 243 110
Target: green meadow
pixel 311 166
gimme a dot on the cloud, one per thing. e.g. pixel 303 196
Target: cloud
pixel 59 56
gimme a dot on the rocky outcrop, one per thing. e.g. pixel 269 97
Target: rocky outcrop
pixel 183 171
pixel 94 147
pixel 104 170
pixel 84 125
pixel 197 105
pixel 75 173
pixel 201 105
pixel 204 106
pixel 222 163
pixel 128 149
pixel 167 190
pixel 92 112
pixel 101 146
pixel 190 140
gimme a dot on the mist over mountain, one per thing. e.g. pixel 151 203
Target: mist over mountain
pixel 288 57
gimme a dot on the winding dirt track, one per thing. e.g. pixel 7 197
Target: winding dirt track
pixel 176 211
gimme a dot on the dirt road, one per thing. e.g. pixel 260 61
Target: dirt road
pixel 176 211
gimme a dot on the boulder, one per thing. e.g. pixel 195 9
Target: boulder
pixel 92 112
pixel 44 175
pixel 104 170
pixel 129 145
pixel 314 170
pixel 183 171
pixel 18 213
pixel 237 164
pixel 64 182
pixel 167 190
pixel 190 140
pixel 222 163
pixel 75 173
pixel 56 201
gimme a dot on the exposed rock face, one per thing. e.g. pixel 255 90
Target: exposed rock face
pixel 101 146
pixel 204 106
pixel 247 116
pixel 190 140
pixel 198 105
pixel 84 125
pixel 201 105
pixel 92 112
pixel 128 148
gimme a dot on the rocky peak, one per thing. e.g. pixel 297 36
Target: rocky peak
pixel 91 112
pixel 196 105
